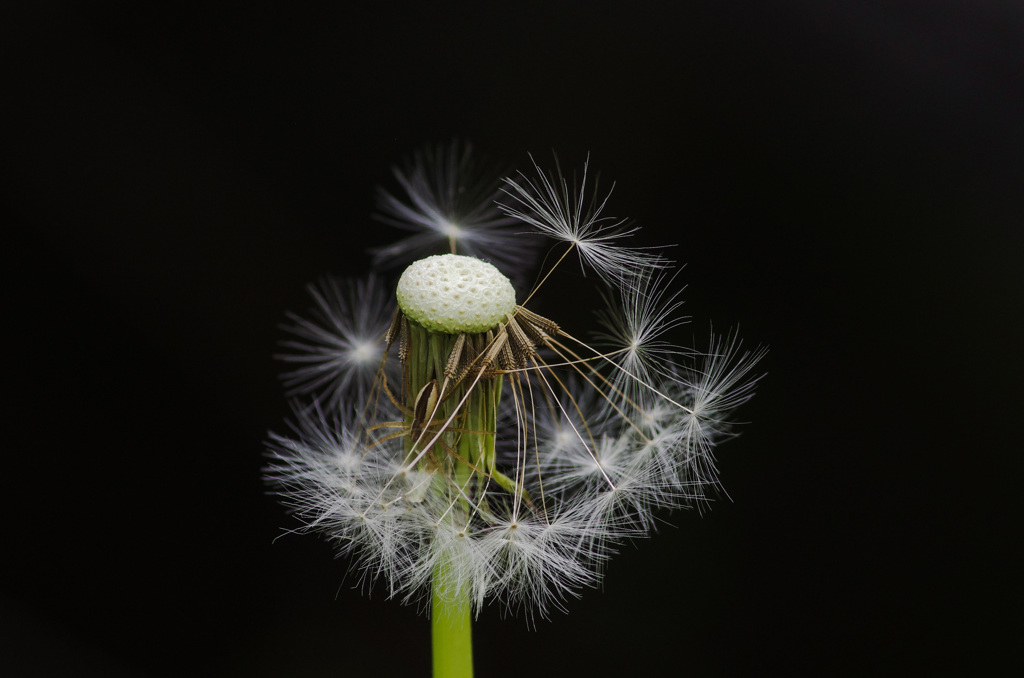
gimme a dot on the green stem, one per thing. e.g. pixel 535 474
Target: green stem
pixel 451 629
pixel 471 438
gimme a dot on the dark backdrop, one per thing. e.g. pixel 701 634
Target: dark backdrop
pixel 844 182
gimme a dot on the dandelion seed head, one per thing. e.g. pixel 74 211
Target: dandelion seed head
pixel 492 455
pixel 454 293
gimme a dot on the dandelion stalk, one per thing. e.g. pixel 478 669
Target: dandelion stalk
pixel 428 355
pixel 450 629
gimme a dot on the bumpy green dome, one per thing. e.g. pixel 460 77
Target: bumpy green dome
pixel 452 293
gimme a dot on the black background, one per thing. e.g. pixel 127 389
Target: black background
pixel 844 181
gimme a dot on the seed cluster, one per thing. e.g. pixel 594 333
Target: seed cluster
pixel 494 455
pixel 453 293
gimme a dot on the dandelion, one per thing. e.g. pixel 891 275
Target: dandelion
pixel 564 211
pixel 337 348
pixel 636 321
pixel 447 204
pixel 493 456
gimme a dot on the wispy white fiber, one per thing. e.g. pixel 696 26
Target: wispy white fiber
pixel 636 323
pixel 446 203
pixel 572 213
pixel 336 347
